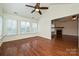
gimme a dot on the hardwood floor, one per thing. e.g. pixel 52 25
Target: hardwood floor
pixel 39 46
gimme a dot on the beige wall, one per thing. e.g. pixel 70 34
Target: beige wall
pixel 59 24
pixel 70 27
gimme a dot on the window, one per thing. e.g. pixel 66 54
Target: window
pixel 25 27
pixel 11 27
pixel 53 29
pixel 34 27
pixel 0 26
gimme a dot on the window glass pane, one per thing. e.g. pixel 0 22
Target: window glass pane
pixel 23 27
pixel 53 29
pixel 0 25
pixel 27 27
pixel 34 27
pixel 11 27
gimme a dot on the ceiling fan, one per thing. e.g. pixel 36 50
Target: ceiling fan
pixel 37 8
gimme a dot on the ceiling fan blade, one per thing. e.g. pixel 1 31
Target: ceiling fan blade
pixel 43 7
pixel 32 11
pixel 40 12
pixel 30 6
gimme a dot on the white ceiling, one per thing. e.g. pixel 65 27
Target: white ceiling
pixel 24 11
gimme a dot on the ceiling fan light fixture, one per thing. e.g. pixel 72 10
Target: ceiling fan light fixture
pixel 74 18
pixel 36 9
